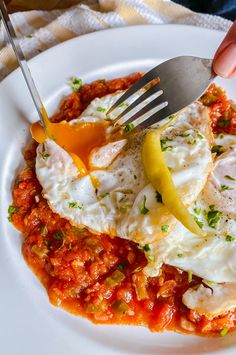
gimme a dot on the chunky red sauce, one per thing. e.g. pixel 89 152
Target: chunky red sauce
pixel 100 277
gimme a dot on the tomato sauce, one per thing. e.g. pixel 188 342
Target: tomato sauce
pixel 97 276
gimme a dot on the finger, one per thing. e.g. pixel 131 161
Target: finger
pixel 225 64
pixel 229 38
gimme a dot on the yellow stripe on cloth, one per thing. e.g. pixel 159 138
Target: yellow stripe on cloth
pixel 8 58
pixel 130 15
pixel 60 32
pixel 35 20
pixel 168 9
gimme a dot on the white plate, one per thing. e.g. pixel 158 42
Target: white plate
pixel 28 323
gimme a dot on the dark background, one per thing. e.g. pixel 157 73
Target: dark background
pixel 224 8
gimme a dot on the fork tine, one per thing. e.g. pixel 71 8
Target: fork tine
pixel 154 89
pixel 156 117
pixel 149 76
pixel 154 103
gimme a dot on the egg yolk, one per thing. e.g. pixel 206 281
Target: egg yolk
pixel 77 139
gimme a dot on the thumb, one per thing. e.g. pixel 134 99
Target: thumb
pixel 224 62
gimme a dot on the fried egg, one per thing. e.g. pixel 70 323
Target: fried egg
pixel 115 197
pixel 212 258
pixel 212 300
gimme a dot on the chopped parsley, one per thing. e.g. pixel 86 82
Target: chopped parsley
pixel 168 148
pixel 171 117
pixel 142 208
pixel 229 238
pixel 217 149
pixel 224 332
pixel 75 84
pixel 29 36
pixel 210 283
pixel 213 217
pixel 190 276
pixel 197 210
pixel 138 269
pixel 200 136
pixel 58 236
pixel 44 154
pixel 199 223
pixel 104 195
pixel 74 205
pixel 192 142
pixel 145 247
pixel 101 109
pixel 230 177
pixel 225 187
pixel 151 258
pixel 121 266
pixel 180 255
pixel 124 104
pixel 78 229
pixel 184 135
pixel 128 127
pixel 11 211
pixel 158 197
pixel 165 228
pixel 224 123
pixel 163 144
pixel 44 231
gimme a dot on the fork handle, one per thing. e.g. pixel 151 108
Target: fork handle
pixel 21 60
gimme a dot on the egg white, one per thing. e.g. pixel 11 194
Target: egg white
pixel 115 193
pixel 212 258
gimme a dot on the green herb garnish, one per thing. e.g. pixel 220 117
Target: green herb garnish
pixel 200 136
pixel 224 332
pixel 58 236
pixel 225 187
pixel 217 149
pixel 192 142
pixel 142 208
pixel 101 109
pixel 213 217
pixel 104 195
pixel 190 276
pixel 124 104
pixel 199 223
pixel 128 127
pixel 78 229
pixel 145 247
pixel 12 210
pixel 180 255
pixel 165 228
pixel 224 123
pixel 184 135
pixel 168 148
pixel 229 178
pixel 76 84
pixel 74 205
pixel 229 238
pixel 197 210
pixel 121 266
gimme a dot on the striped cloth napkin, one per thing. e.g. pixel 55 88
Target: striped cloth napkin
pixel 39 30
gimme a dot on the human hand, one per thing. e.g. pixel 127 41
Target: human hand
pixel 224 62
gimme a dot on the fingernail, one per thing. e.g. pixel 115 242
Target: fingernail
pixel 225 64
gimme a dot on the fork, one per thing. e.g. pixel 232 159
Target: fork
pixel 174 84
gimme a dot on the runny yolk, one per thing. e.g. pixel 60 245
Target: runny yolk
pixel 77 139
